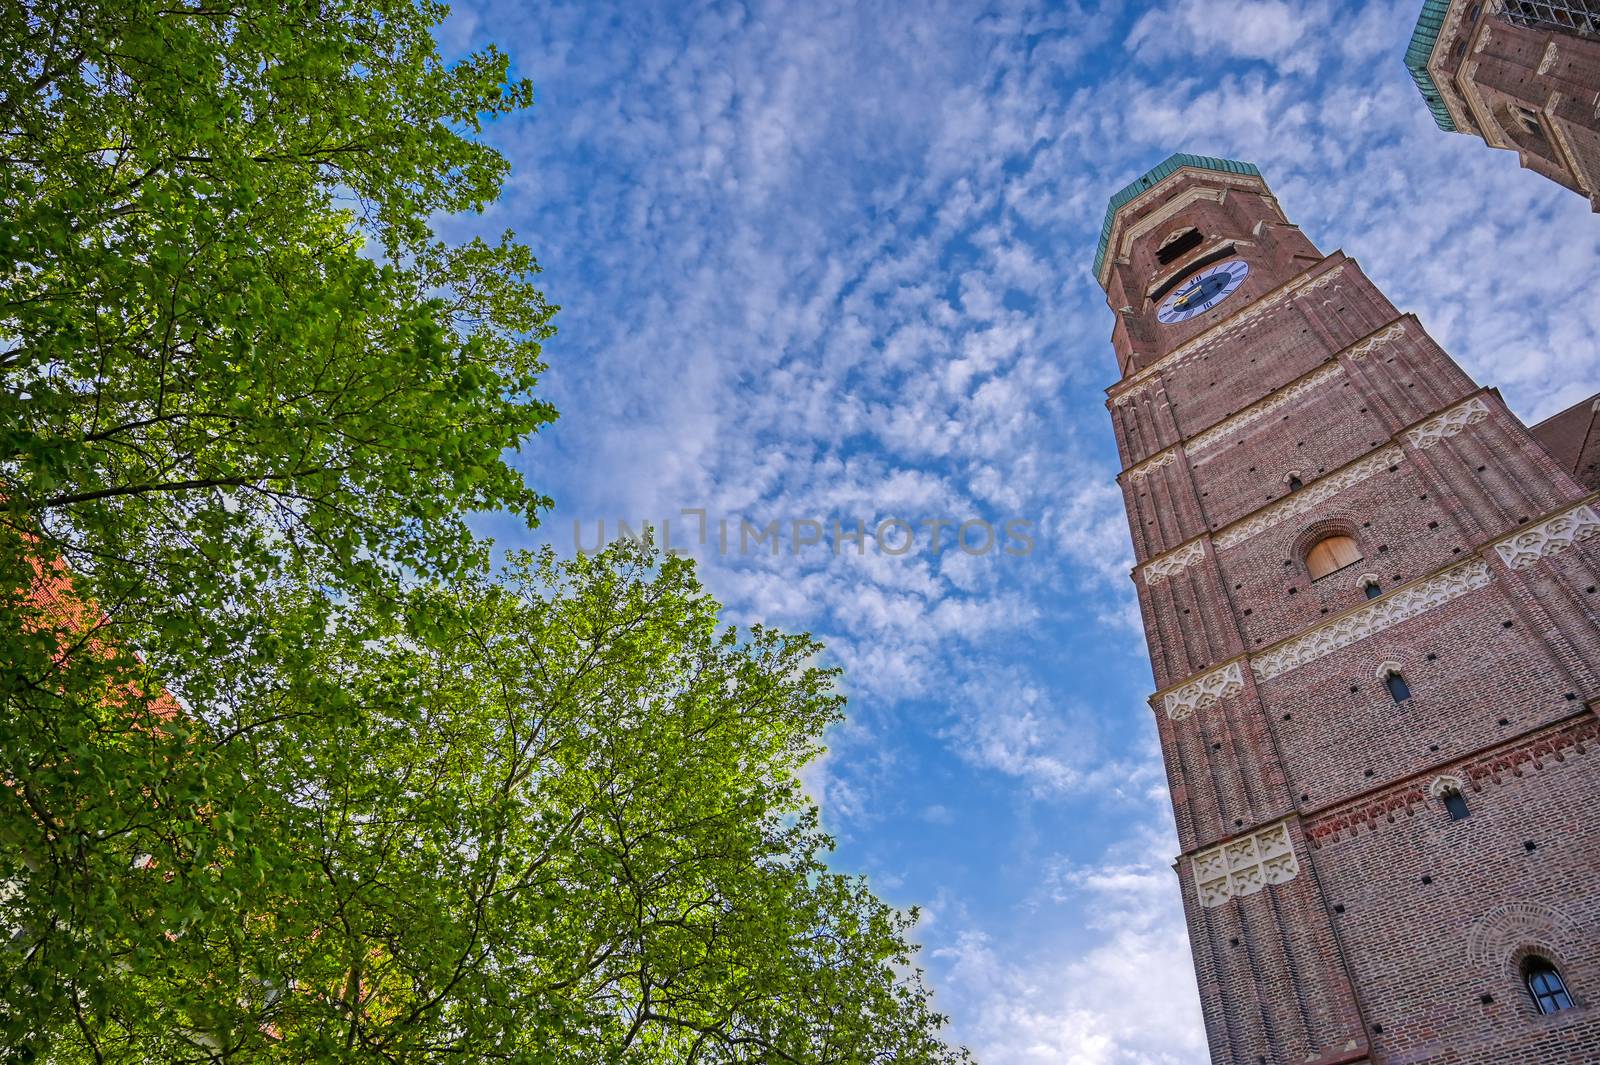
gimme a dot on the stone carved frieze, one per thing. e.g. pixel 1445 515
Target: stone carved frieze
pixel 1245 866
pixel 1322 282
pixel 1549 59
pixel 1378 340
pixel 1250 415
pixel 1308 497
pixel 1204 691
pixel 1443 426
pixel 1150 465
pixel 1124 398
pixel 1549 537
pixel 1376 616
pixel 1160 568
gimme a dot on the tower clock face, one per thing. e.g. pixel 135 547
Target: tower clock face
pixel 1203 291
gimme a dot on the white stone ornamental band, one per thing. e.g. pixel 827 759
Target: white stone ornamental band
pixel 1250 415
pixel 1373 343
pixel 1519 550
pixel 1159 569
pixel 1150 465
pixel 1549 537
pixel 1376 616
pixel 1423 436
pixel 1204 691
pixel 1245 866
pixel 1228 426
pixel 1449 423
pixel 1308 497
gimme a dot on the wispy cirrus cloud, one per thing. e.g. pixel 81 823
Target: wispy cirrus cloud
pixel 1277 31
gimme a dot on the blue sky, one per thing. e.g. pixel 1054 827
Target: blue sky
pixel 833 263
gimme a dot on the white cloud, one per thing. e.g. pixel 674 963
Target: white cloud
pixel 1271 30
pixel 832 263
pixel 1128 999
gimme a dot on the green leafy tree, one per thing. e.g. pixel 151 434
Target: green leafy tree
pixel 229 337
pixel 236 365
pixel 351 800
pixel 551 818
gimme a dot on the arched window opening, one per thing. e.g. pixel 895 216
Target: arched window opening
pixel 1455 804
pixel 1373 589
pixel 1523 128
pixel 1178 245
pixel 1545 984
pixel 1528 119
pixel 1399 690
pixel 1332 553
pixel 1295 483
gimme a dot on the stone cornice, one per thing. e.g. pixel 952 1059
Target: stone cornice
pixel 1256 411
pixel 1360 349
pixel 1307 280
pixel 1422 435
pixel 1178 559
pixel 1313 494
pixel 1549 536
pixel 1206 690
pixel 1138 471
pixel 1467 413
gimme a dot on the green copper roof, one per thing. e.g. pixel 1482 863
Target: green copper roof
pixel 1150 178
pixel 1423 38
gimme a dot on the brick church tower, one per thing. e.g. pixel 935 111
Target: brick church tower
pixel 1522 74
pixel 1371 602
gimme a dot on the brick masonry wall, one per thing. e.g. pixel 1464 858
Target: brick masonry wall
pixel 1425 953
pixel 1269 700
pixel 1573 440
pixel 1271 984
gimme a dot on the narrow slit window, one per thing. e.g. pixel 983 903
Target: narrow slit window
pixel 1373 589
pixel 1545 984
pixel 1455 804
pixel 1399 690
pixel 1295 484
